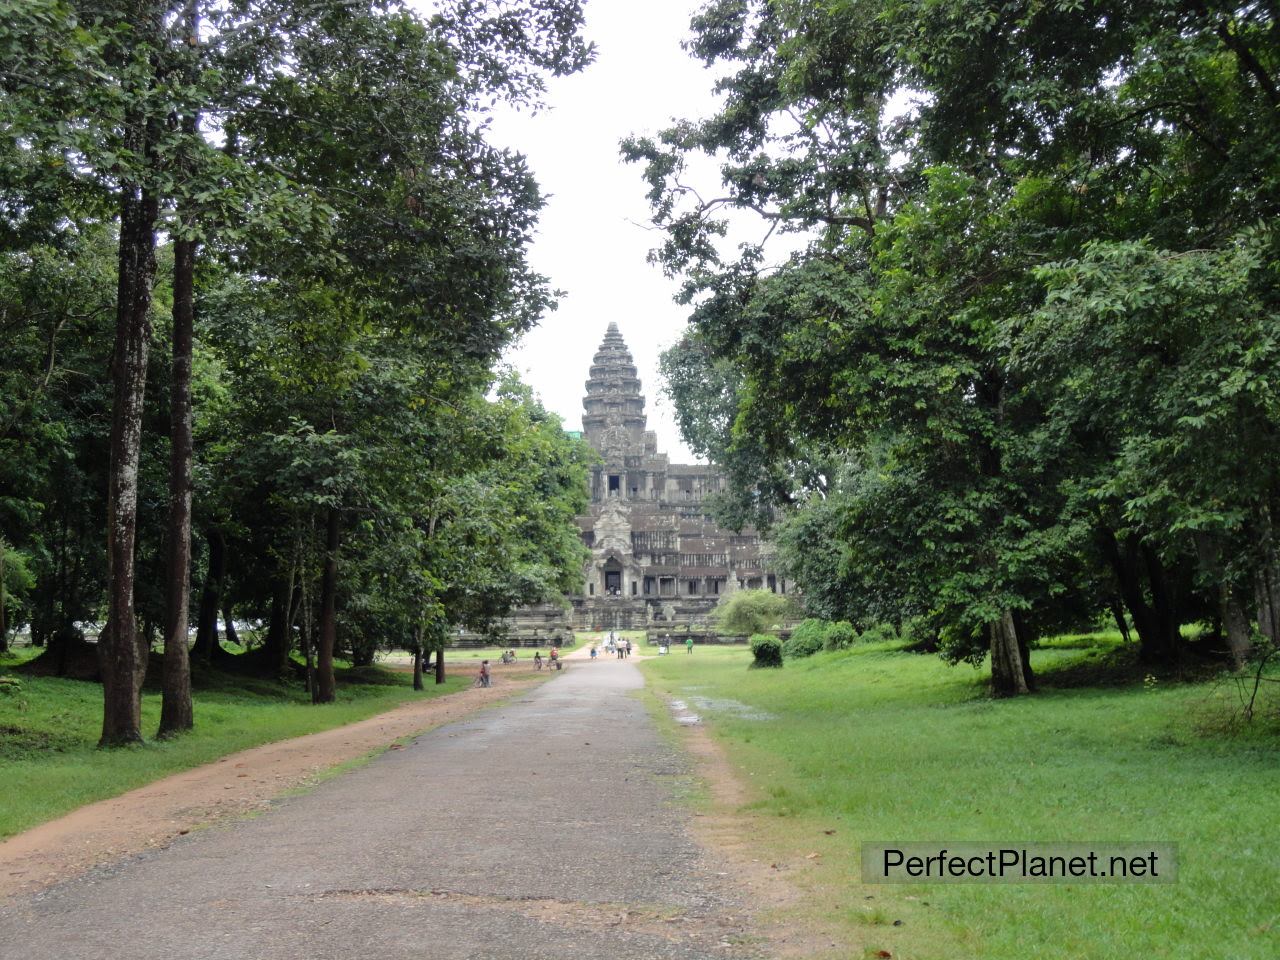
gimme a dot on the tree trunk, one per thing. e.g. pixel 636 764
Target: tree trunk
pixel 307 637
pixel 1168 644
pixel 309 662
pixel 175 700
pixel 1268 601
pixel 417 658
pixel 1236 622
pixel 1230 610
pixel 1156 625
pixel 280 627
pixel 211 597
pixel 1024 635
pixel 326 688
pixel 4 626
pixel 228 626
pixel 440 665
pixel 1009 671
pixel 1117 612
pixel 123 658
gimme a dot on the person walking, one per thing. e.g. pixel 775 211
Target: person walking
pixel 628 648
pixel 688 644
pixel 485 678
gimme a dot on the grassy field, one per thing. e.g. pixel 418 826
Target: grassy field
pixel 876 744
pixel 468 654
pixel 49 728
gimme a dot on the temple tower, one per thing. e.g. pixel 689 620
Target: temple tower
pixel 657 559
pixel 613 418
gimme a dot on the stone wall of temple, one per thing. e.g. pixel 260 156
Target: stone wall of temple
pixel 657 557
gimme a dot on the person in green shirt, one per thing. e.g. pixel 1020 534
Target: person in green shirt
pixel 688 644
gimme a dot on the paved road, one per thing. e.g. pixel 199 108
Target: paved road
pixel 545 828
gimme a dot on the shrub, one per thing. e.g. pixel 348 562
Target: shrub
pixel 750 611
pixel 806 639
pixel 880 633
pixel 767 650
pixel 840 635
pixel 921 635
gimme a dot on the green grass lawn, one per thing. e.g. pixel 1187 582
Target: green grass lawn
pixel 467 655
pixel 877 744
pixel 49 728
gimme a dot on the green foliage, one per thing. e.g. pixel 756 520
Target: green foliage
pixel 766 650
pixel 879 633
pixel 747 612
pixel 362 267
pixel 806 639
pixel 812 636
pixel 1021 372
pixel 839 635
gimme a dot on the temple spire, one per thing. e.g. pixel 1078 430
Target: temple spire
pixel 613 417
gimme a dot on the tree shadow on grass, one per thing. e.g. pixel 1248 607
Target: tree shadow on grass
pixel 1119 666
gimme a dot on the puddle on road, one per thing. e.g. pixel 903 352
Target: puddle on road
pixel 682 714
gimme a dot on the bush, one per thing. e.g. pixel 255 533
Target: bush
pixel 767 650
pixel 748 612
pixel 880 633
pixel 920 634
pixel 840 635
pixel 806 639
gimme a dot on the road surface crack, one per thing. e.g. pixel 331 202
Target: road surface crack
pixel 668 923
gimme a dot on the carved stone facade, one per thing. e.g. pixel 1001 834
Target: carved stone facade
pixel 657 557
pixel 658 560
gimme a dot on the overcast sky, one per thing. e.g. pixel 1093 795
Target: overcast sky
pixel 592 243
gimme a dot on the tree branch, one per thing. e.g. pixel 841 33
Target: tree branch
pixel 1249 61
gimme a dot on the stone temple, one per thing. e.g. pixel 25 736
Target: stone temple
pixel 658 560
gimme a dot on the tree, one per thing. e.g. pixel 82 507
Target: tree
pixel 1192 434
pixel 15 581
pixel 353 187
pixel 937 159
pixel 749 612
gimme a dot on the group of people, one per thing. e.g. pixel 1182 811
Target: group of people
pixel 612 645
pixel 621 649
pixel 664 645
pixel 485 677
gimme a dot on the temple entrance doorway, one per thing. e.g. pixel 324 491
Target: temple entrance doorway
pixel 613 579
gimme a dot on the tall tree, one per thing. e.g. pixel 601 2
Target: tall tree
pixel 176 712
pixel 937 155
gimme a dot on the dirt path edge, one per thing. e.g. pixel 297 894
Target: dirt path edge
pixel 152 816
pixel 730 833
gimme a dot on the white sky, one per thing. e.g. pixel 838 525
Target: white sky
pixel 592 243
